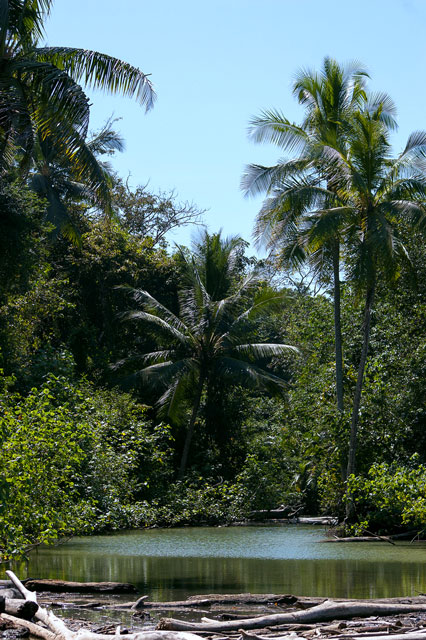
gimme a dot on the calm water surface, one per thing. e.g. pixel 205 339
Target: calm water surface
pixel 170 564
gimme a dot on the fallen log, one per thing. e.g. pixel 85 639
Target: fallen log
pixel 18 608
pixel 46 634
pixel 357 539
pixel 64 586
pixel 174 604
pixel 324 612
pixel 250 598
pixel 57 629
pixel 34 629
pixel 138 604
pixel 10 593
pixel 318 520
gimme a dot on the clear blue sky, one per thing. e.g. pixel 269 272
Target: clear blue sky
pixel 215 64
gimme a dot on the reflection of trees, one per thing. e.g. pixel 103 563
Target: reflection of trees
pixel 168 578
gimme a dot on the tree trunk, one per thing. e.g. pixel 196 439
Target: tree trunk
pixel 357 397
pixel 18 607
pixel 337 327
pixel 57 629
pixel 191 426
pixel 328 610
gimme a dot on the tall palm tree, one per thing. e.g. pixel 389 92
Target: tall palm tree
pixel 374 194
pixel 40 92
pixel 331 98
pixel 206 341
pixel 382 192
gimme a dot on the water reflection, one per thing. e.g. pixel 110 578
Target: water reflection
pixel 171 564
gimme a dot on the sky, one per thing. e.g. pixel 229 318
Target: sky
pixel 216 64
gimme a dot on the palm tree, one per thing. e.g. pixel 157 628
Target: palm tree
pixel 53 177
pixel 331 99
pixel 207 340
pixel 374 194
pixel 217 261
pixel 41 96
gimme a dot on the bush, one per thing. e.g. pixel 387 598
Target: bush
pixel 391 497
pixel 75 460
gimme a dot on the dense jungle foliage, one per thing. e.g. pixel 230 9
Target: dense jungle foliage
pixel 147 384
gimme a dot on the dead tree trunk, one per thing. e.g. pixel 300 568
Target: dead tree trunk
pixel 57 629
pixel 329 610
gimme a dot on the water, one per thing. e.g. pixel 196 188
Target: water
pixel 170 564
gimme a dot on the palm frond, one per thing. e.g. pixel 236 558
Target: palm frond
pixel 61 101
pixel 143 297
pixel 264 350
pixel 107 140
pixel 248 374
pixel 149 318
pixel 26 18
pixel 173 401
pixel 260 179
pixel 161 374
pixel 381 106
pixel 273 127
pixel 101 71
pixel 266 299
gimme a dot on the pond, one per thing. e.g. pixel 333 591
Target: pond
pixel 170 564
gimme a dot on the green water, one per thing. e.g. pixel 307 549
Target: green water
pixel 170 564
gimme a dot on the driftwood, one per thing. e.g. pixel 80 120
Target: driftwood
pixel 18 607
pixel 225 600
pixel 248 598
pixel 310 623
pixel 324 612
pixel 319 520
pixel 359 539
pixel 218 599
pixel 56 629
pixel 10 593
pixel 175 604
pixel 279 599
pixel 63 586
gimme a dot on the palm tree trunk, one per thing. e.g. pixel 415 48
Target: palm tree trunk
pixel 337 327
pixel 191 426
pixel 357 397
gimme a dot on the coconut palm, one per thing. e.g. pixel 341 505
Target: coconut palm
pixel 205 341
pixel 40 92
pixel 375 194
pixel 382 193
pixel 217 261
pixel 295 186
pixel 53 176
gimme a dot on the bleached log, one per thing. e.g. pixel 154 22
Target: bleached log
pixel 45 634
pixel 18 607
pixel 329 610
pixel 10 593
pixel 35 629
pixel 141 603
pixel 57 629
pixel 28 595
pixel 358 539
pixel 249 598
pixel 253 636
